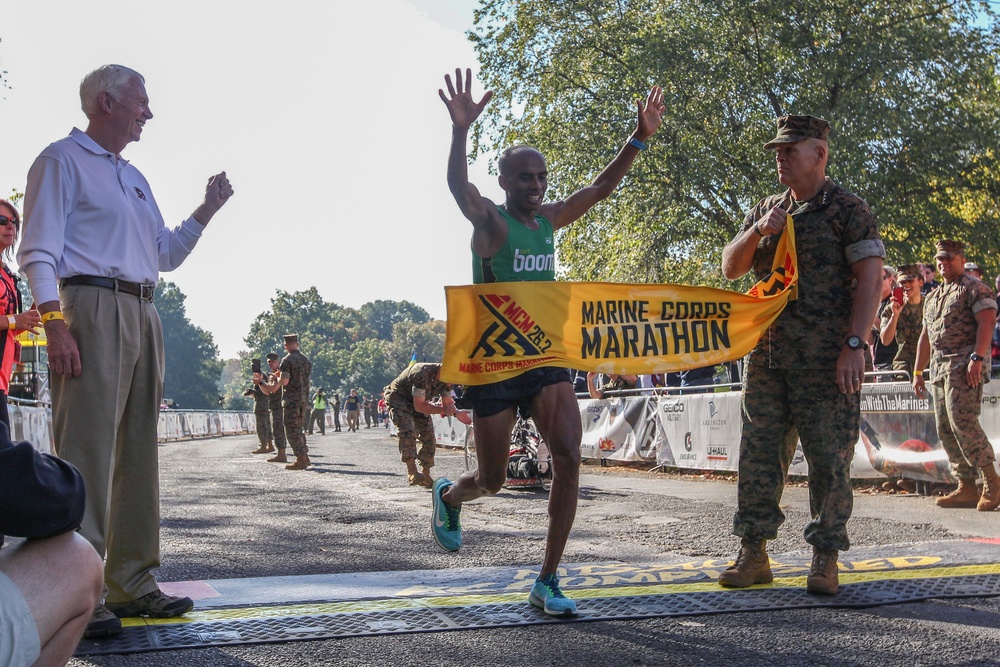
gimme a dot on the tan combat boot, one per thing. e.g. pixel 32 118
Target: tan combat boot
pixel 752 566
pixel 279 457
pixel 966 495
pixel 415 477
pixel 428 480
pixel 823 578
pixel 301 463
pixel 991 490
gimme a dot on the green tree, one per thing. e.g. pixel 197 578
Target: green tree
pixel 235 381
pixel 426 340
pixel 383 315
pixel 192 366
pixel 327 332
pixel 370 366
pixel 911 90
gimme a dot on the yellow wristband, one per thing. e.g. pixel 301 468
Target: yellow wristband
pixel 11 322
pixel 918 374
pixel 52 315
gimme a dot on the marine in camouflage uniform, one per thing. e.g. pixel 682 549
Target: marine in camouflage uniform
pixel 804 376
pixel 904 324
pixel 959 317
pixel 416 387
pixel 274 406
pixel 295 372
pixel 263 416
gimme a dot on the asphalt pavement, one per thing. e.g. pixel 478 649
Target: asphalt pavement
pixel 227 514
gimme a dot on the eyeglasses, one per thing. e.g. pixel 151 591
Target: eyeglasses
pixel 907 280
pixel 4 221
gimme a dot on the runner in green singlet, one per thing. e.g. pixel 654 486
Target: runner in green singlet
pixel 515 242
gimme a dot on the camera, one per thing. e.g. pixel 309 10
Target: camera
pixel 255 365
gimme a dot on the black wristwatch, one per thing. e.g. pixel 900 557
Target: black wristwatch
pixel 854 342
pixel 976 357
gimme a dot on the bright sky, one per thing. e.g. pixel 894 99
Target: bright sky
pixel 325 116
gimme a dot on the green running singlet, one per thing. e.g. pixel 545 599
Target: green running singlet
pixel 528 255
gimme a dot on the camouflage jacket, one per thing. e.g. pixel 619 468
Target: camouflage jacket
pixel 950 318
pixel 417 380
pixel 908 328
pixel 832 231
pixel 297 368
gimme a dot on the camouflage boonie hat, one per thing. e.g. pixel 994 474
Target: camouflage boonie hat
pixel 909 271
pixel 792 129
pixel 291 338
pixel 947 248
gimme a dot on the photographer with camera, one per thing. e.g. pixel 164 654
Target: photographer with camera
pixel 274 405
pixel 262 411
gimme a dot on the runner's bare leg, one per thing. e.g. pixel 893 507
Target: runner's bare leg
pixel 556 413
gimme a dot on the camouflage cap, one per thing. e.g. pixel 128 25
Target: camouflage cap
pixel 909 271
pixel 947 248
pixel 792 129
pixel 291 338
pixel 271 356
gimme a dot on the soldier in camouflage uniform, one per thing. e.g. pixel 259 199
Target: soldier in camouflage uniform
pixel 903 321
pixel 295 372
pixel 293 380
pixel 409 398
pixel 262 412
pixel 274 405
pixel 804 376
pixel 959 317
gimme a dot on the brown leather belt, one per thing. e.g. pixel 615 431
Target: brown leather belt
pixel 125 287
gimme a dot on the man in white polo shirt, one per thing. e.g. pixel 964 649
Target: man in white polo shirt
pixel 93 245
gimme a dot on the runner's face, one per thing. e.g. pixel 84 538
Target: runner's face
pixel 526 181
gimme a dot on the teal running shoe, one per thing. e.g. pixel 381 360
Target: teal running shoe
pixel 545 595
pixel 444 522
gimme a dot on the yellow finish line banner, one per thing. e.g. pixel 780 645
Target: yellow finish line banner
pixel 499 330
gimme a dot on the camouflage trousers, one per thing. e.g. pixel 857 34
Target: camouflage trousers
pixel 779 407
pixel 413 425
pixel 263 416
pixel 956 414
pixel 278 428
pixel 295 419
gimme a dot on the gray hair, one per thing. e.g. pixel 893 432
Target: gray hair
pixel 110 79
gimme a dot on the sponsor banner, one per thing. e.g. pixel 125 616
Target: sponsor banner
pixel 497 331
pixel 448 431
pixel 620 429
pixel 898 435
pixel 701 431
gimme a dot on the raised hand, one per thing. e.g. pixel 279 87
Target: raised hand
pixel 218 191
pixel 464 110
pixel 650 114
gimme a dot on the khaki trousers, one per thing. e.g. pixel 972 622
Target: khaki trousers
pixel 104 423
